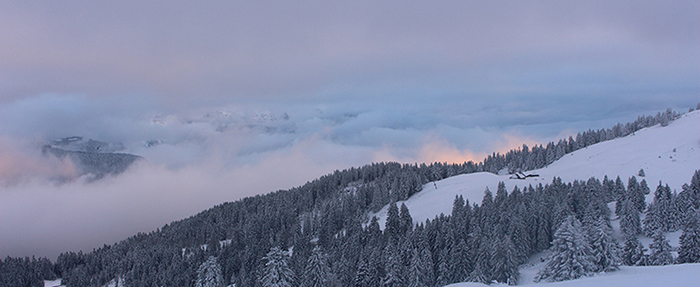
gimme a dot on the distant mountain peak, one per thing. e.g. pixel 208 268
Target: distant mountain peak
pixel 94 158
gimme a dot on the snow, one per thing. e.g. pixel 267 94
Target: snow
pixel 670 154
pixel 53 283
pixel 651 276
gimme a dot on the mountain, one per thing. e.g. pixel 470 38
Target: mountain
pixel 434 238
pixel 665 153
pixel 94 158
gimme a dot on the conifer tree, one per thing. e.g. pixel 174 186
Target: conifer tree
pixel 543 233
pixel 276 272
pixel 689 249
pixel 571 255
pixel 395 270
pixel 606 251
pixel 365 275
pixel 660 250
pixel 209 274
pixel 633 251
pixel 504 261
pixel 460 265
pixel 405 219
pixel 317 273
pixel 620 194
pixel 443 269
pixel 653 220
pixel 635 193
pixel 420 271
pixel 629 221
pixel 393 223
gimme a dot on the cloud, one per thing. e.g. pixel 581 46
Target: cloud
pixel 22 160
pixel 208 54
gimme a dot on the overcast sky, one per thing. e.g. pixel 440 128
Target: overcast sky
pixel 246 98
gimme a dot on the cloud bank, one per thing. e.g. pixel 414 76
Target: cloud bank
pixel 204 157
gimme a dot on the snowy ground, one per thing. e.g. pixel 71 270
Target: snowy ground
pixel 652 276
pixel 670 154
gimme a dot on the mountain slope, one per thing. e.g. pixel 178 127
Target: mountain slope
pixel 670 154
pixel 653 276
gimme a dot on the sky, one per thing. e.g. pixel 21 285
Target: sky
pixel 247 98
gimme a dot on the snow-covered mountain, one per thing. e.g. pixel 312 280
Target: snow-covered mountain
pixel 670 154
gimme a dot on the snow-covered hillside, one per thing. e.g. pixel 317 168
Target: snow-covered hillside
pixel 670 154
pixel 651 276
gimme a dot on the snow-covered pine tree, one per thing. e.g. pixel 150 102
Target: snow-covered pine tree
pixel 543 233
pixel 606 250
pixel 660 250
pixel 392 227
pixel 633 251
pixel 482 269
pixel 504 261
pixel 443 269
pixel 635 193
pixel 689 249
pixel 629 218
pixel 363 276
pixel 694 189
pixel 643 187
pixel 460 264
pixel 571 256
pixel 653 220
pixel 420 270
pixel 405 219
pixel 209 274
pixel 620 194
pixel 317 273
pixel 276 272
pixel 395 270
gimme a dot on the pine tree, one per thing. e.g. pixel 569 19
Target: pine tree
pixel 543 234
pixel 460 266
pixel 689 249
pixel 653 220
pixel 620 194
pixel 571 255
pixel 443 269
pixel 420 271
pixel 606 251
pixel 209 274
pixel 405 219
pixel 504 261
pixel 395 269
pixel 635 192
pixel 276 272
pixel 317 273
pixel 629 222
pixel 364 275
pixel 633 251
pixel 392 227
pixel 660 250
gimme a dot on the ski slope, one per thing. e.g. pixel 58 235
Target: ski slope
pixel 670 154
